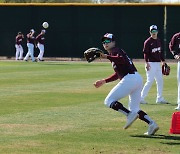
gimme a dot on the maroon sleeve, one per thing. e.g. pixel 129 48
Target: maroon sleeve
pixel 162 56
pixel 38 38
pixel 146 47
pixel 111 78
pixel 146 51
pixel 145 57
pixel 172 45
pixel 116 59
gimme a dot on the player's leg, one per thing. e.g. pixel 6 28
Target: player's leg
pixel 41 53
pixel 28 53
pixel 135 97
pixel 178 80
pixel 21 53
pixel 38 45
pixel 159 82
pixel 149 81
pixel 17 51
pixel 121 90
pixel 134 105
pixel 31 51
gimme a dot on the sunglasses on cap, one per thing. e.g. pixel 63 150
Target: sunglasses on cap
pixel 106 41
pixel 154 31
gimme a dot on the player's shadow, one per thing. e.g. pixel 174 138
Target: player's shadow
pixel 169 104
pixel 162 137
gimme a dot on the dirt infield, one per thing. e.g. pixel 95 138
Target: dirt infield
pixel 79 59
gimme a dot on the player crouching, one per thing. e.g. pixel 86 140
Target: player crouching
pixel 130 84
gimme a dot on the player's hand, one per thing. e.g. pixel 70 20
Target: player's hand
pixel 147 66
pixel 102 55
pixel 99 83
pixel 177 57
pixel 163 63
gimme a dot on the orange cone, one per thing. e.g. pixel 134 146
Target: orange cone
pixel 175 123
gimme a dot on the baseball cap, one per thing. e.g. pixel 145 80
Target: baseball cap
pixel 43 30
pixel 32 30
pixel 108 36
pixel 153 28
pixel 19 33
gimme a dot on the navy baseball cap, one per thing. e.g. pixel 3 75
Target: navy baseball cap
pixel 153 28
pixel 108 36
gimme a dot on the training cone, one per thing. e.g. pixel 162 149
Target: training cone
pixel 175 123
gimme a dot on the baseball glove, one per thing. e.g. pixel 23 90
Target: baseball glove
pixel 165 69
pixel 92 53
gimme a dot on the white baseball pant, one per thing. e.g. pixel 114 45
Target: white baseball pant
pixel 130 85
pixel 155 72
pixel 41 49
pixel 19 52
pixel 30 52
pixel 178 79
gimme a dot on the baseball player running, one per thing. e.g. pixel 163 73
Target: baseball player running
pixel 130 85
pixel 153 56
pixel 18 46
pixel 174 47
pixel 41 39
pixel 30 45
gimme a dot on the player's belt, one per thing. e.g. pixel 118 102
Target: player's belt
pixel 132 72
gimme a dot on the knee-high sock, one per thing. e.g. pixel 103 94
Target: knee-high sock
pixel 144 117
pixel 119 107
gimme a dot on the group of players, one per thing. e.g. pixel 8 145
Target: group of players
pixel 32 42
pixel 131 83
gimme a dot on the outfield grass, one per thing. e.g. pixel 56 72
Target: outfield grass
pixel 52 107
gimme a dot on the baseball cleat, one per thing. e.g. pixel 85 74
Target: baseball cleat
pixel 153 128
pixel 177 108
pixel 143 102
pixel 163 102
pixel 132 116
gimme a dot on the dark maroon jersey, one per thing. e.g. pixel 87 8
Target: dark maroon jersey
pixel 174 44
pixel 30 39
pixel 153 50
pixel 19 40
pixel 40 38
pixel 121 64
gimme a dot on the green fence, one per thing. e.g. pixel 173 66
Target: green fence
pixel 74 28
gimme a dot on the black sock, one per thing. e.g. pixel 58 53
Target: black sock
pixel 119 107
pixel 144 117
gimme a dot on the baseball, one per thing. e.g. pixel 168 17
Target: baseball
pixel 45 24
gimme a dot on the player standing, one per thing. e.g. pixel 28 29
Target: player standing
pixel 153 56
pixel 30 45
pixel 174 47
pixel 130 85
pixel 18 46
pixel 41 40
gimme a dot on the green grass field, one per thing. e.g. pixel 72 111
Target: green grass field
pixel 52 107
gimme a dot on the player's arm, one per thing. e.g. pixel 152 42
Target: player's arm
pixel 37 40
pixel 146 55
pixel 162 56
pixel 172 47
pixel 111 78
pixel 116 59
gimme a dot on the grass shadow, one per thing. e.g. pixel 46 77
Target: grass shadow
pixel 162 137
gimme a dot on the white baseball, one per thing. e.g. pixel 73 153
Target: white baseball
pixel 45 24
